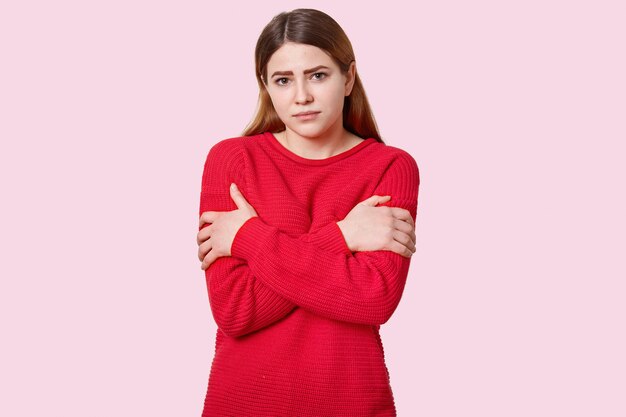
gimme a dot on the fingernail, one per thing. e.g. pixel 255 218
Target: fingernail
pixel 233 186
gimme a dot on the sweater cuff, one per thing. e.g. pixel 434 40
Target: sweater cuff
pixel 254 233
pixel 330 238
pixel 250 238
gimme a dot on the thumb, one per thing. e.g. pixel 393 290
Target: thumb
pixel 376 199
pixel 237 197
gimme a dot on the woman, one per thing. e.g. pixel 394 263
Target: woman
pixel 307 253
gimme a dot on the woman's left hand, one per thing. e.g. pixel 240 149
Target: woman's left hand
pixel 216 240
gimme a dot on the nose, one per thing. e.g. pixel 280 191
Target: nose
pixel 303 95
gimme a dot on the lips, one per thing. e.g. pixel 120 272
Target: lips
pixel 305 116
pixel 305 113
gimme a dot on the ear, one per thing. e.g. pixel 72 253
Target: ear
pixel 350 78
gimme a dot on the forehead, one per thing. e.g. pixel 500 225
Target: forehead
pixel 293 56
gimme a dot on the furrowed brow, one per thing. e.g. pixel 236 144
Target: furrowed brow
pixel 307 71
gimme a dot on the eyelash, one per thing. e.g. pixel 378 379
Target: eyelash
pixel 277 81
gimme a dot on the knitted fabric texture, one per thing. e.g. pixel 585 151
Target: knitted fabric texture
pixel 298 313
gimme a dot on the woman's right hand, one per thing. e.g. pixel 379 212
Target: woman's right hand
pixel 370 228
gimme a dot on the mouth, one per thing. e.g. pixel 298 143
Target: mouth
pixel 306 115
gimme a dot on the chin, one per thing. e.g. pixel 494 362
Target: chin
pixel 306 132
pixel 310 131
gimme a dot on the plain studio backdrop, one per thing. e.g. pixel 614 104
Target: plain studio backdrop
pixel 514 111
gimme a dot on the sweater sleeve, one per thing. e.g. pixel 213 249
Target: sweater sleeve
pixel 240 303
pixel 364 287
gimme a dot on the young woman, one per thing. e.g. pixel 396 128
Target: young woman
pixel 306 235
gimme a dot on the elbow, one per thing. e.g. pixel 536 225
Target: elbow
pixel 230 329
pixel 370 312
pixel 231 332
pixel 377 301
pixel 382 317
pixel 385 306
pixel 382 306
pixel 231 325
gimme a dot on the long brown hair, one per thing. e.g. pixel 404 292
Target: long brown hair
pixel 311 27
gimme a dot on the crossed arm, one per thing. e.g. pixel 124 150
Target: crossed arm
pixel 241 303
pixel 270 272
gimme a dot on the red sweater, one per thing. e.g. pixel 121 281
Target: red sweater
pixel 298 313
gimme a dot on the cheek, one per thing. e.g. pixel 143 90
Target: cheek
pixel 278 100
pixel 333 97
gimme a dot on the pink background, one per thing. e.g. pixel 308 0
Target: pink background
pixel 514 111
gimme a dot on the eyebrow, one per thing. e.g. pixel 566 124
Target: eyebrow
pixel 307 71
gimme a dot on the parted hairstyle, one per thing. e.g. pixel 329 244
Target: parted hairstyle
pixel 311 27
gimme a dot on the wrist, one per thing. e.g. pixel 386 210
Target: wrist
pixel 342 227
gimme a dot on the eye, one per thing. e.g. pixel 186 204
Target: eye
pixel 322 75
pixel 278 81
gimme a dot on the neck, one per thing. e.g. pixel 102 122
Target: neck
pixel 332 142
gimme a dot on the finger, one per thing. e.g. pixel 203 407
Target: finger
pixel 405 228
pixel 237 196
pixel 203 249
pixel 404 239
pixel 400 249
pixel 375 199
pixel 402 214
pixel 203 234
pixel 208 217
pixel 208 260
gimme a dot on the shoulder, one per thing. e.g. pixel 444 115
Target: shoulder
pixel 398 177
pixel 225 163
pixel 396 162
pixel 227 147
pixel 231 151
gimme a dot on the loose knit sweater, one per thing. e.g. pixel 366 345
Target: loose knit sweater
pixel 299 313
